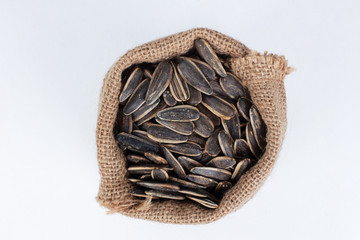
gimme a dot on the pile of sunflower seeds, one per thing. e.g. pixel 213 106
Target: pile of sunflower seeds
pixel 188 127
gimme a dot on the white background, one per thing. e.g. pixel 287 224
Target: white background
pixel 53 58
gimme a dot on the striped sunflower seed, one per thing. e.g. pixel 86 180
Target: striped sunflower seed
pixel 233 86
pixel 195 138
pixel 212 146
pixel 194 76
pixel 241 148
pixel 185 183
pixel 222 162
pixel 159 186
pixel 205 181
pixel 219 107
pixel 195 96
pixel 146 168
pixel 159 82
pixel 155 158
pixel 131 83
pixel 250 138
pixel 208 54
pixel 144 110
pixel 169 99
pixel 159 175
pixel 181 113
pixel 244 105
pixel 178 87
pixel 222 187
pixel 188 163
pixel 138 159
pixel 258 127
pixel 188 148
pixel 226 144
pixel 151 114
pixel 232 127
pixel 173 162
pixel 162 134
pixel 214 119
pixel 240 169
pixel 211 172
pixel 184 128
pixel 164 194
pixel 135 143
pixel 204 201
pixel 137 99
pixel 204 126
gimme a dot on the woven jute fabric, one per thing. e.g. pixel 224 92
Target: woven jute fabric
pixel 262 74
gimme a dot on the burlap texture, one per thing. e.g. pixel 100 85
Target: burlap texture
pixel 262 74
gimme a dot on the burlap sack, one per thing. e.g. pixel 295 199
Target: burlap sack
pixel 262 74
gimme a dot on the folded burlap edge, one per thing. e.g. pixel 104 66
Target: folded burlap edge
pixel 263 74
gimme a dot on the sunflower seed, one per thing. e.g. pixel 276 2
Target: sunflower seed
pixel 222 162
pixel 214 119
pixel 159 82
pixel 173 162
pixel 219 107
pixel 146 168
pixel 159 186
pixel 208 54
pixel 205 68
pixel 205 181
pixel 205 157
pixel 188 163
pixel 258 127
pixel 164 135
pixel 135 143
pixel 155 158
pixel 244 105
pixel 151 114
pixel 134 180
pixel 137 99
pixel 181 113
pixel 146 177
pixel 159 175
pixel 178 87
pixel 218 91
pixel 240 169
pixel 193 76
pixel 184 128
pixel 131 83
pixel 147 73
pixel 124 123
pixel 137 192
pixel 185 183
pixel 232 126
pixel 195 96
pixel 204 201
pixel 169 99
pixel 241 148
pixel 233 86
pixel 203 126
pixel 194 192
pixel 144 110
pixel 145 126
pixel 250 138
pixel 188 149
pixel 143 135
pixel 226 144
pixel 222 187
pixel 211 172
pixel 195 138
pixel 137 159
pixel 212 146
pixel 164 194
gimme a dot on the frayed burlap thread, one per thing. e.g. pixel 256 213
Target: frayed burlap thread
pixel 262 74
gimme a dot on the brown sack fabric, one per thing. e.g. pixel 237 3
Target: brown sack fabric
pixel 262 74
